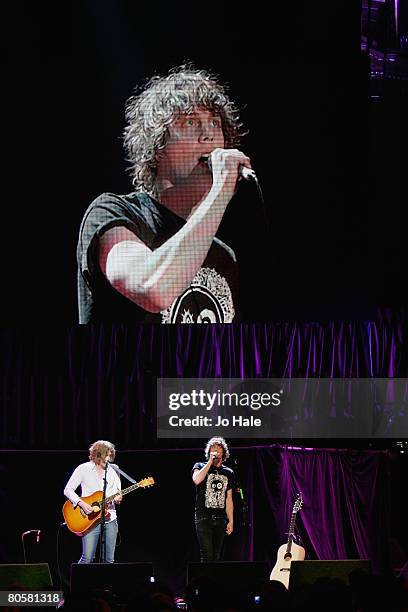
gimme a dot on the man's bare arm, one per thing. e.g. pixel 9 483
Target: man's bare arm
pixel 199 475
pixel 153 279
pixel 229 509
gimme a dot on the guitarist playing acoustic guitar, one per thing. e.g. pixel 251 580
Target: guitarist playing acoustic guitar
pixel 90 476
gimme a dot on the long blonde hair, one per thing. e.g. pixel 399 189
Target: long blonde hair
pixel 99 450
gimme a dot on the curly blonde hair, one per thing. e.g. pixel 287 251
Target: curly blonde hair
pixel 220 442
pixel 161 101
pixel 99 450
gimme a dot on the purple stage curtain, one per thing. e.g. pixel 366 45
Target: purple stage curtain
pixel 345 500
pixel 338 349
pixel 62 389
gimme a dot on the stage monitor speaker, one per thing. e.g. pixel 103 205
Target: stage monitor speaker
pixel 303 573
pixel 25 576
pixel 120 578
pixel 231 575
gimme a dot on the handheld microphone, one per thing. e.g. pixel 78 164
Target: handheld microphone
pixel 246 173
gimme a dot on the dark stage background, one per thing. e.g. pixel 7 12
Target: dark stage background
pixel 60 393
pixel 325 152
pixel 323 271
pixel 347 509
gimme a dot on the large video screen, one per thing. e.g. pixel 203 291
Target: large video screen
pixel 167 170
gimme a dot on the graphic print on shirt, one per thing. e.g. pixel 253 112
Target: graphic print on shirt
pixel 215 491
pixel 208 299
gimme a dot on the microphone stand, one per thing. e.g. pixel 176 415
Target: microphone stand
pixel 23 543
pixel 102 549
pixel 23 535
pixel 103 517
pixel 239 489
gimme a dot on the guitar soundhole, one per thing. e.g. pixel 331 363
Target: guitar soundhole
pixel 96 508
pixel 287 557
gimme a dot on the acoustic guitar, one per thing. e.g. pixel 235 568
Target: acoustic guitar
pixel 80 523
pixel 290 551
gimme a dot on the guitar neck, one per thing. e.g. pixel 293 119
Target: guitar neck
pixel 291 532
pixel 122 492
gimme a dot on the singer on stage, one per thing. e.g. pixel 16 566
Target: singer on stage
pixel 214 507
pixel 90 476
pixel 152 255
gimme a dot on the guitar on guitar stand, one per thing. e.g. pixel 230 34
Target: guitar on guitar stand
pixel 290 551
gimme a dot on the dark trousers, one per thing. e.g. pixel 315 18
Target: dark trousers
pixel 210 530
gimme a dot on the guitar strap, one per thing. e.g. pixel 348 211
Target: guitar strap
pixel 119 471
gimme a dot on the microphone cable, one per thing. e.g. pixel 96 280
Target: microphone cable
pixel 248 175
pixel 58 557
pixel 251 178
pixel 258 186
pixel 23 535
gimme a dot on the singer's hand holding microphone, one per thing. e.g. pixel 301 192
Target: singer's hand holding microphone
pixel 228 166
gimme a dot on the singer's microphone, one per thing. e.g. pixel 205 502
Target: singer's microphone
pixel 38 535
pixel 246 173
